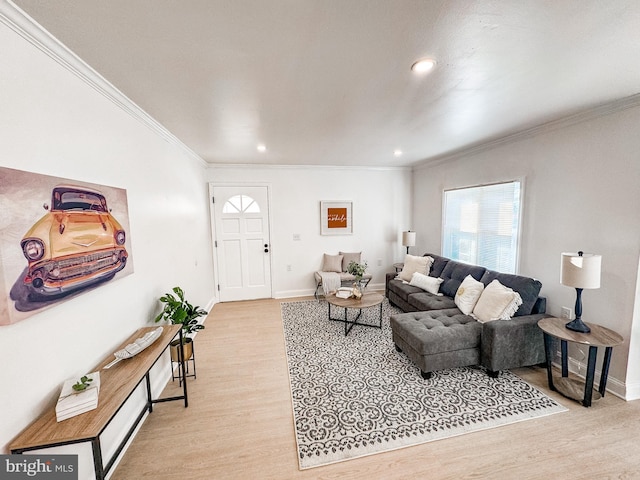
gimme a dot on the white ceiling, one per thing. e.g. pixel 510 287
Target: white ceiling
pixel 329 81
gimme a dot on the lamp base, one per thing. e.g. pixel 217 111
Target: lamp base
pixel 578 325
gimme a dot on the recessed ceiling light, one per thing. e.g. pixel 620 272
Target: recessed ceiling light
pixel 261 148
pixel 397 152
pixel 423 65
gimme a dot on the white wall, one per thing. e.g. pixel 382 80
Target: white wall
pixel 381 210
pixel 581 193
pixel 52 122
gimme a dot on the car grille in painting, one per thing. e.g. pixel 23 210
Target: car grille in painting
pixel 86 264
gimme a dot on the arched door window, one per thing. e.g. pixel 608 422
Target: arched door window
pixel 241 204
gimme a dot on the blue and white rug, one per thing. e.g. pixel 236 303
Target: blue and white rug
pixel 355 395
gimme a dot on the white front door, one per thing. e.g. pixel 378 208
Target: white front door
pixel 241 242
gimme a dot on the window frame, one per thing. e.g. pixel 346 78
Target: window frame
pixel 519 221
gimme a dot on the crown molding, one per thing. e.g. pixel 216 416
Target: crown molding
pixel 213 166
pixel 31 31
pixel 593 113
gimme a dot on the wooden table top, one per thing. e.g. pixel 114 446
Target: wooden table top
pixel 369 299
pixel 598 337
pixel 116 384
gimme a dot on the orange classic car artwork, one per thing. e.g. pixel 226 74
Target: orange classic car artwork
pixel 77 243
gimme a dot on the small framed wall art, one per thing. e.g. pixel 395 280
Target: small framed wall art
pixel 336 218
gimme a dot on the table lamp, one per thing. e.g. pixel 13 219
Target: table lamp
pixel 580 270
pixel 408 239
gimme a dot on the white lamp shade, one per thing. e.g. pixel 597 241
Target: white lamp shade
pixel 409 239
pixel 580 271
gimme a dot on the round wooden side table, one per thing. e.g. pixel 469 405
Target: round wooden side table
pixel 599 337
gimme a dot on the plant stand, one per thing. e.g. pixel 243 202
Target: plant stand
pixel 177 359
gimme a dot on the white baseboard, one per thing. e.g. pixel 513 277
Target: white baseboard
pixel 376 287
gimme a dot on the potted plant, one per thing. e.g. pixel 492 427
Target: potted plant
pixel 357 270
pixel 177 310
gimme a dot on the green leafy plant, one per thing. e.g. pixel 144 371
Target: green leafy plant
pixel 177 310
pixel 357 269
pixel 82 384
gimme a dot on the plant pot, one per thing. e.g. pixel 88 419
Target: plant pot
pixel 188 349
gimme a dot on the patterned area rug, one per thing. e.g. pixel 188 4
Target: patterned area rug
pixel 355 395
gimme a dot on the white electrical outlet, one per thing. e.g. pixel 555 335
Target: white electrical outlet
pixel 566 312
pixel 379 262
pixel 288 268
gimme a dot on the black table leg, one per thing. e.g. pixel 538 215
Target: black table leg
pixel 565 358
pixel 346 331
pixel 547 354
pixel 97 458
pixel 591 370
pixel 605 370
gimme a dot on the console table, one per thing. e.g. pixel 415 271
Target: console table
pixel 116 386
pixel 598 337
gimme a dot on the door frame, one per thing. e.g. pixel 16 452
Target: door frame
pixel 216 274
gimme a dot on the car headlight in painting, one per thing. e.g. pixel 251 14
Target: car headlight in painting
pixel 120 237
pixel 33 249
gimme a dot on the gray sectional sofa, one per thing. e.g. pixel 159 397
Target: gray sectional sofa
pixel 436 335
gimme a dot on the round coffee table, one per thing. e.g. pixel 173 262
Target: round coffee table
pixel 369 299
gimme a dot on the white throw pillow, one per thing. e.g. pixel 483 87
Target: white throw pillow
pixel 413 264
pixel 332 263
pixel 468 294
pixel 425 282
pixel 497 302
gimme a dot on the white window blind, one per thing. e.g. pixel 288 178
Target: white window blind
pixel 481 225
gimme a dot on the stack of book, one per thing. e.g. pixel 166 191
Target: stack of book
pixel 344 292
pixel 72 402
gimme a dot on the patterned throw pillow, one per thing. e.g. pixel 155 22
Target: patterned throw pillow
pixel 468 294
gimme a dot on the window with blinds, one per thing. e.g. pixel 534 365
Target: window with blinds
pixel 481 225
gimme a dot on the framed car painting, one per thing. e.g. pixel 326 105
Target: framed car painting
pixel 58 238
pixel 336 218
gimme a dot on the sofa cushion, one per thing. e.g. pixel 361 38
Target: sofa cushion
pixel 424 301
pixel 403 290
pixel 455 272
pixel 527 288
pixel 497 302
pixel 438 264
pixel 348 257
pixel 414 264
pixel 468 294
pixel 332 263
pixel 425 282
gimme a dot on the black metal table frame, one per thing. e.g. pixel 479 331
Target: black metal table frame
pixel 101 470
pixel 349 324
pixel 591 367
pixel 184 363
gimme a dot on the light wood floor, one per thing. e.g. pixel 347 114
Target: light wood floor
pixel 239 424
